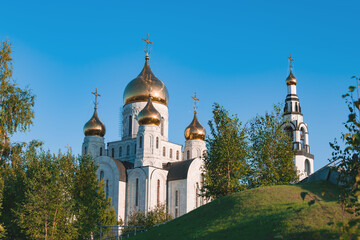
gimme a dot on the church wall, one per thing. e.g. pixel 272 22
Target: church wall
pixel 181 187
pixel 124 153
pixel 155 175
pixel 300 166
pixel 131 203
pixel 111 178
pixel 93 145
pixel 194 182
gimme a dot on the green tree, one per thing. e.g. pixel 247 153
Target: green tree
pixel 348 159
pixel 272 155
pixel 16 104
pixel 92 209
pixel 153 217
pixel 227 151
pixel 46 212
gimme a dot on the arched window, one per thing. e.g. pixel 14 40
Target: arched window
pixel 130 125
pixel 187 155
pixel 176 203
pixel 107 189
pixel 286 108
pixel 140 142
pixel 164 153
pixel 296 107
pixel 112 152
pixel 177 155
pixel 120 151
pixel 101 175
pixel 162 126
pixel 170 153
pixel 101 151
pixel 302 138
pixel 127 150
pixel 289 132
pixel 135 149
pixel 85 151
pixel 158 192
pixel 157 142
pixel 307 167
pixel 137 193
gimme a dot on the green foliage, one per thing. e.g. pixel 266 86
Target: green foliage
pixel 16 104
pixel 349 164
pixel 225 162
pixel 47 210
pixel 153 217
pixel 272 156
pixel 92 209
pixel 260 213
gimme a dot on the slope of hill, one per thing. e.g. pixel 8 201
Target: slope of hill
pixel 262 213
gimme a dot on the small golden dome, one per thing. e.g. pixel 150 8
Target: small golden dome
pixel 149 115
pixel 94 127
pixel 195 131
pixel 138 89
pixel 291 79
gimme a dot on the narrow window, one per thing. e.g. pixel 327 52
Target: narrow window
pixel 177 155
pixel 127 150
pixel 158 192
pixel 170 153
pixel 197 195
pixel 162 126
pixel 157 142
pixel 188 154
pixel 296 107
pixel 140 142
pixel 107 189
pixel 101 151
pixel 135 148
pixel 85 151
pixel 112 152
pixel 176 198
pixel 307 167
pixel 120 151
pixel 130 125
pixel 101 175
pixel 137 192
pixel 176 212
pixel 302 138
pixel 164 151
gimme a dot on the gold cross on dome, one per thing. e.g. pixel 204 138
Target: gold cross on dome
pixel 195 99
pixel 96 95
pixel 68 148
pixel 291 62
pixel 147 44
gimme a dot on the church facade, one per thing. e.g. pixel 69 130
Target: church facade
pixel 144 169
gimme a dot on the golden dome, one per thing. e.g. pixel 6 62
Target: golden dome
pixel 195 131
pixel 138 89
pixel 149 115
pixel 94 127
pixel 291 79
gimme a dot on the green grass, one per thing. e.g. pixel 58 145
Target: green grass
pixel 262 213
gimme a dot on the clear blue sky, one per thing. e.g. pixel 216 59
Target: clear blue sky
pixel 230 52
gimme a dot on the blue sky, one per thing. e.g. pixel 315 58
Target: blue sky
pixel 230 52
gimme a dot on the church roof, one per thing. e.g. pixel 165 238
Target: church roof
pixel 179 170
pixel 122 166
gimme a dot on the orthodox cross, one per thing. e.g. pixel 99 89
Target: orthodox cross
pixel 68 148
pixel 96 95
pixel 195 99
pixel 147 44
pixel 291 62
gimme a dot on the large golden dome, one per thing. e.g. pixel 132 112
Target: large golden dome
pixel 291 79
pixel 138 89
pixel 195 131
pixel 94 127
pixel 149 115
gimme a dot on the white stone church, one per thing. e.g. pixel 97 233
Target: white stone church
pixel 145 169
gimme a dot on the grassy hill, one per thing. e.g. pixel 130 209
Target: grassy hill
pixel 263 213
